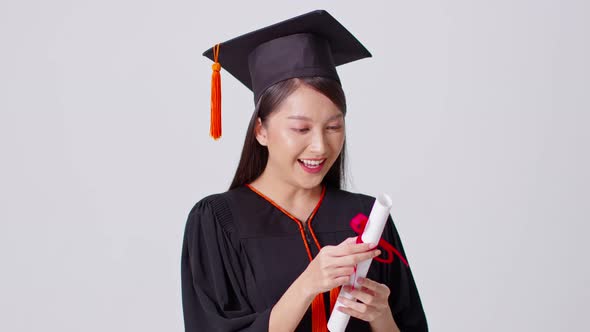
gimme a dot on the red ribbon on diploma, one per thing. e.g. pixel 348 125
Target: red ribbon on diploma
pixel 358 224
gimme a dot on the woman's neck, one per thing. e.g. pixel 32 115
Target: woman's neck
pixel 295 199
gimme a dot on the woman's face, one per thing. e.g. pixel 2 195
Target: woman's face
pixel 304 137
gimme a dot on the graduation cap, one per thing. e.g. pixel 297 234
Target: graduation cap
pixel 311 44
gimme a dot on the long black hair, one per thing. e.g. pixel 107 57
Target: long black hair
pixel 255 156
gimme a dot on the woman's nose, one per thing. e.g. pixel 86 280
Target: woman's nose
pixel 318 143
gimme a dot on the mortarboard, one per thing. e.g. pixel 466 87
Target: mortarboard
pixel 311 44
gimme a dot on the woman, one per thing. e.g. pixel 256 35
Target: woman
pixel 271 253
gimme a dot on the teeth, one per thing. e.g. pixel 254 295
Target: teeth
pixel 311 163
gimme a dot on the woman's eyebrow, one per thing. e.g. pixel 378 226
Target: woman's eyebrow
pixel 302 117
pixel 299 117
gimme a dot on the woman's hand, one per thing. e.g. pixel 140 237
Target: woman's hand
pixel 334 265
pixel 372 305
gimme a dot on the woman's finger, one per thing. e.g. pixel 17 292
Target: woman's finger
pixel 354 259
pixel 364 295
pixel 351 248
pixel 354 305
pixel 342 271
pixel 357 310
pixel 340 281
pixel 366 290
pixel 350 240
pixel 374 286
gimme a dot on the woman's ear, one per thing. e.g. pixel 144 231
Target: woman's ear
pixel 261 133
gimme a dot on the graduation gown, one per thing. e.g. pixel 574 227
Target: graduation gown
pixel 241 252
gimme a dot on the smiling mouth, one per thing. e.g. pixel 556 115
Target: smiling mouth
pixel 312 166
pixel 312 163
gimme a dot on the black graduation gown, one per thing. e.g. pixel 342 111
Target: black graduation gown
pixel 240 254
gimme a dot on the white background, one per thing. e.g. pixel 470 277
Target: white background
pixel 473 115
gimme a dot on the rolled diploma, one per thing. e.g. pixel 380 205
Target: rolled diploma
pixel 371 234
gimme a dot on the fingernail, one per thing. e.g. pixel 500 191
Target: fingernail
pixel 377 252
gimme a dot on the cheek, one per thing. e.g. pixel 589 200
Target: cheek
pixel 284 144
pixel 336 141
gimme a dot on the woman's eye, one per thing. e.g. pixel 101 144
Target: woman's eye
pixel 301 130
pixel 334 127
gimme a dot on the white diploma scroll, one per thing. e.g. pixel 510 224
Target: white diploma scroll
pixel 371 234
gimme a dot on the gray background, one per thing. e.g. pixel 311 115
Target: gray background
pixel 472 115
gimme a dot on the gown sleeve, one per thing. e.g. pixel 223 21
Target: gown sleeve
pixel 213 287
pixel 404 299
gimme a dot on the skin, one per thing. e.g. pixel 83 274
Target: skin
pixel 307 125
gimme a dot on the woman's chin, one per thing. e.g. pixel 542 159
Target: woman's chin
pixel 308 180
pixel 310 183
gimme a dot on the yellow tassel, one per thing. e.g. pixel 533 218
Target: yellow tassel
pixel 215 129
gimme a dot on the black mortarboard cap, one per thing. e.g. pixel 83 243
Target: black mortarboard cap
pixel 311 44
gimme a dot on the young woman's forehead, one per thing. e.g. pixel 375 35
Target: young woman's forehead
pixel 303 114
pixel 307 104
pixel 336 116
